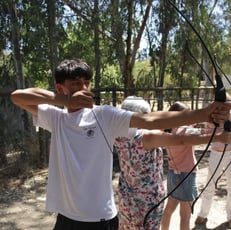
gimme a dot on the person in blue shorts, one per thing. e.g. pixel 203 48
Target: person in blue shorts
pixel 181 160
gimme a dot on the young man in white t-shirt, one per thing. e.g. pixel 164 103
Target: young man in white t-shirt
pixel 82 135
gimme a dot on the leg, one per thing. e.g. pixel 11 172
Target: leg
pixel 169 209
pixel 185 214
pixel 207 195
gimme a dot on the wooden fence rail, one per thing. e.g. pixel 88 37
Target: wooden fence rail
pixel 195 97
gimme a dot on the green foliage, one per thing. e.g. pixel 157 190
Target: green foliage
pixel 111 77
pixel 78 42
pixel 143 74
pixel 75 37
pixel 8 113
pixel 173 46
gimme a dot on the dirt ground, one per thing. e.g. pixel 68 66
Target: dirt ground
pixel 22 202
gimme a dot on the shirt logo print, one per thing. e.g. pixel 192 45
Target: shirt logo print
pixel 90 133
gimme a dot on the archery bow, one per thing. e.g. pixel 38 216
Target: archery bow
pixel 220 95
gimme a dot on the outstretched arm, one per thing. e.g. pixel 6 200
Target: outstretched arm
pixel 216 112
pixel 156 138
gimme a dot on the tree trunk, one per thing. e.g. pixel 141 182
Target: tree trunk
pixel 52 39
pixel 3 158
pixel 11 6
pixel 97 50
pixel 15 43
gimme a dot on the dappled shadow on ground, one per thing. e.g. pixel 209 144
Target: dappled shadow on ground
pixel 22 198
pixel 16 187
pixel 22 202
pixel 217 210
pixel 204 162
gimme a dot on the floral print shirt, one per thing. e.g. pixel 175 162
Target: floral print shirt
pixel 140 184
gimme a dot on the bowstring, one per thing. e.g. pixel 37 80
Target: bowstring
pixel 101 129
pixel 222 173
pixel 219 96
pixel 220 87
pixel 210 179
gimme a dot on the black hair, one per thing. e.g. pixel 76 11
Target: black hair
pixel 177 106
pixel 72 69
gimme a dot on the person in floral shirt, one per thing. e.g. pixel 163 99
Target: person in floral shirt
pixel 141 163
pixel 141 178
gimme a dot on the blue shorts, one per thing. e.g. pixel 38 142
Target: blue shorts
pixel 187 191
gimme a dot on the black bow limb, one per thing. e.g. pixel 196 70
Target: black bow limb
pixel 227 128
pixel 220 95
pixel 222 173
pixel 220 92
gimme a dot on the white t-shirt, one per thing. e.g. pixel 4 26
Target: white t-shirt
pixel 80 163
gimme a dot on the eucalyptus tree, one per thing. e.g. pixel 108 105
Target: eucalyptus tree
pixel 224 47
pixel 120 25
pixel 129 20
pixel 25 40
pixel 159 26
pixel 84 32
pixel 175 48
pixel 8 123
pixel 53 37
pixel 195 59
pixel 15 42
pixel 9 40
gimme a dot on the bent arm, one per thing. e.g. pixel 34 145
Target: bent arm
pixel 30 98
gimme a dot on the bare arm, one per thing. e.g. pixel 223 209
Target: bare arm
pixel 30 98
pixel 216 112
pixel 156 138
